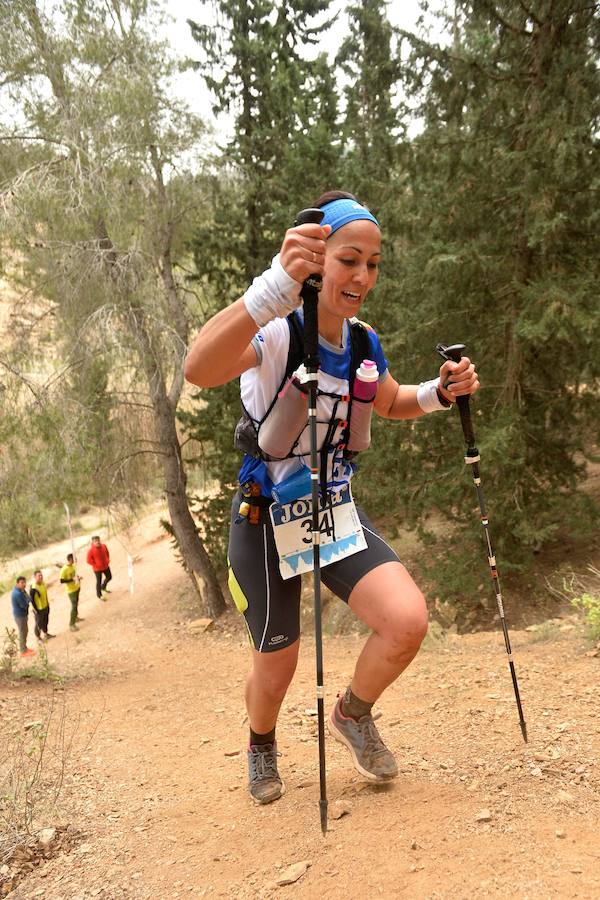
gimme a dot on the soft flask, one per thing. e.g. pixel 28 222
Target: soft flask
pixel 287 418
pixel 363 395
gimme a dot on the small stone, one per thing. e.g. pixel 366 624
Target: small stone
pixel 311 712
pixel 200 624
pixel 46 836
pixel 484 815
pixel 4 870
pixel 564 796
pixel 340 808
pixel 293 873
pixel 414 845
pixel 560 833
pixel 536 771
pixel 231 753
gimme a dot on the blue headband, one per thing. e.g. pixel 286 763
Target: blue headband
pixel 340 212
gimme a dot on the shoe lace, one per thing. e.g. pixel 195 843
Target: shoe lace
pixel 371 736
pixel 264 764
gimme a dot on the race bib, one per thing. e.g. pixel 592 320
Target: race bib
pixel 341 531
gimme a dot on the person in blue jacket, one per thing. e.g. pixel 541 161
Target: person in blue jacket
pixel 20 607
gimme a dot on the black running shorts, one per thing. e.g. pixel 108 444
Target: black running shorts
pixel 270 605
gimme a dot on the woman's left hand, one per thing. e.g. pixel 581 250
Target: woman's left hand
pixel 458 379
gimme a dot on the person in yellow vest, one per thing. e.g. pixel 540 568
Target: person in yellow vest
pixel 41 606
pixel 72 582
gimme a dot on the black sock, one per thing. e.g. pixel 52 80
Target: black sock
pixel 353 706
pixel 268 738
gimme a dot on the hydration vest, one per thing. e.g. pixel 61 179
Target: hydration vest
pixel 247 432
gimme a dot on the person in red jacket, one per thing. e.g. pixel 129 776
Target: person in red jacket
pixel 99 559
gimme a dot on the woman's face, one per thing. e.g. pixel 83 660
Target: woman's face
pixel 351 268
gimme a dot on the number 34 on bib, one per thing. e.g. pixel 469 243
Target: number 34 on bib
pixel 341 532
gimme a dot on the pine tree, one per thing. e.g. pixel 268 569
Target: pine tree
pixel 502 236
pixel 252 62
pixel 371 126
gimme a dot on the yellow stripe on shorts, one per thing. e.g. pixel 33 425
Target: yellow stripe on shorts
pixel 239 598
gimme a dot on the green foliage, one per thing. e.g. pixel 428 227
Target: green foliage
pixel 10 652
pixel 478 154
pixel 38 668
pixel 498 234
pixel 589 604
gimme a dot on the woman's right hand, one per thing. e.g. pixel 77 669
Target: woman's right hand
pixel 303 251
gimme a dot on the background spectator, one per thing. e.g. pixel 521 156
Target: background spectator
pixel 98 558
pixel 20 608
pixel 72 581
pixel 41 605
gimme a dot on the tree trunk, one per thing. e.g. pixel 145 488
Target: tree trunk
pixel 193 551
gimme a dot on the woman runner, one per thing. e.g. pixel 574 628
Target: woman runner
pixel 251 339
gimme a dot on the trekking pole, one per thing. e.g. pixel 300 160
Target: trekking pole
pixel 310 296
pixel 472 458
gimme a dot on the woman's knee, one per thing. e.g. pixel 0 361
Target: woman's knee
pixel 274 671
pixel 390 603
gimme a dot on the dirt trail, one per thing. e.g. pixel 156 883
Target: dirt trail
pixel 156 774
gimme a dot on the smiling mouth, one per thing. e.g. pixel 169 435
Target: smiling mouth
pixel 350 295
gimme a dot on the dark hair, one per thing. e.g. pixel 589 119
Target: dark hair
pixel 21 578
pixel 95 537
pixel 70 556
pixel 38 572
pixel 330 196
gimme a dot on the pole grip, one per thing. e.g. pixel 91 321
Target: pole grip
pixel 454 353
pixel 310 298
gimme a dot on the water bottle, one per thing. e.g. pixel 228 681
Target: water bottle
pixel 363 395
pixel 287 418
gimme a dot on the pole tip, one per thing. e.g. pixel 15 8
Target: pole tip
pixel 323 812
pixel 524 730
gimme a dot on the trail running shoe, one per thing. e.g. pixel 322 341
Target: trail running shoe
pixel 106 591
pixel 264 782
pixel 369 754
pixel 28 652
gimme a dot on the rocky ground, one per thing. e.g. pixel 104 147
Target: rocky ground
pixel 145 755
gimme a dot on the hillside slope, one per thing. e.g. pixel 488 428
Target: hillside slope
pixel 153 741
